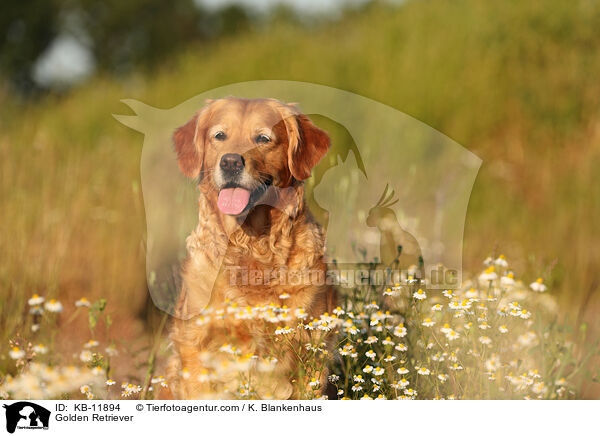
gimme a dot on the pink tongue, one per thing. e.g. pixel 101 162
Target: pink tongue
pixel 232 201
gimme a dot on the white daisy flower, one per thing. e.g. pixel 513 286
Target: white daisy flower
pixel 91 344
pixel 488 275
pixel 400 331
pixel 501 261
pixel 40 349
pixel 53 306
pixel 388 341
pixel 428 322
pixel 35 300
pixel 508 279
pixel 16 353
pixel 86 356
pixel 538 285
pixel 423 371
pixel 420 295
pixel 82 302
pixel 485 340
pixel 401 347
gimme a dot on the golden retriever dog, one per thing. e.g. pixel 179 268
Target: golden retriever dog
pixel 250 157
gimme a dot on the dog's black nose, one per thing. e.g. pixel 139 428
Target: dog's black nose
pixel 232 162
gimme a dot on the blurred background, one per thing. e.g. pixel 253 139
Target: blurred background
pixel 515 82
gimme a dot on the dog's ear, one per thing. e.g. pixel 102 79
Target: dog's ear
pixel 308 145
pixel 189 143
pixel 190 154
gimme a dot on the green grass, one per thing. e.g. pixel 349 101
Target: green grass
pixel 515 82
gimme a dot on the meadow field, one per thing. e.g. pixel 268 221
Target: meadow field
pixel 514 82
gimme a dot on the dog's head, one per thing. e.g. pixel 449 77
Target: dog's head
pixel 238 148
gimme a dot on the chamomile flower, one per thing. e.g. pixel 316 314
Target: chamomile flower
pixel 314 383
pixel 82 302
pixel 448 293
pixel 437 307
pixel 420 295
pixel 91 344
pixel 488 275
pixel 378 371
pixel 40 349
pixel 525 314
pixel 428 322
pixel 371 340
pixel 423 371
pixel 503 329
pixel 371 354
pixel 16 353
pixel 501 261
pixel 452 335
pixel 110 382
pixel 36 300
pixel 493 363
pixel 283 330
pixel 389 358
pixel 400 331
pixel 53 306
pixel 401 347
pixel 402 370
pixel 442 377
pixel 368 369
pixel 388 341
pixel 86 356
pixel 485 340
pixel 508 279
pixel 333 378
pixel 357 388
pixel 454 305
pixel 358 378
pixel 455 367
pixel 538 285
pixel 538 387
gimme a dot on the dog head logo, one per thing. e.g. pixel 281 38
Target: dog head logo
pixel 26 415
pixel 392 186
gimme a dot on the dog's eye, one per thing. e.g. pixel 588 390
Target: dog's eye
pixel 263 139
pixel 220 136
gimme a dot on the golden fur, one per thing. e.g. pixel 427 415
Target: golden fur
pixel 277 232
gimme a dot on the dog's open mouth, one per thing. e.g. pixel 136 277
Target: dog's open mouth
pixel 235 199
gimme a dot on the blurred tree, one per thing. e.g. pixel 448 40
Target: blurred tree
pixel 26 30
pixel 120 34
